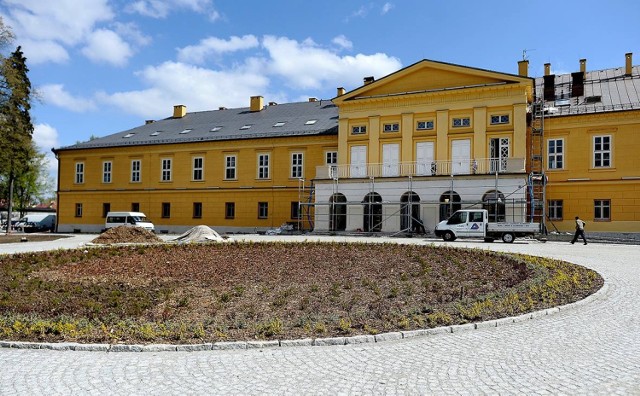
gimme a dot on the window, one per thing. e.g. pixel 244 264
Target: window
pixel 296 165
pixel 555 209
pixel 229 210
pixel 128 135
pixel 230 167
pixel 197 210
pixel 332 158
pixel 106 208
pixel 263 166
pixel 135 207
pixel 185 131
pixel 295 211
pixel 461 122
pixel 424 125
pixel 166 210
pixel 602 151
pixel 602 210
pixel 499 119
pixel 215 129
pixel 310 122
pixel 555 153
pixel 166 169
pixel 79 172
pixel 135 171
pixel 78 210
pixel 106 171
pixel 395 127
pixel 245 127
pixel 263 210
pixel 198 168
pixel 156 133
pixel 279 124
pixel 359 130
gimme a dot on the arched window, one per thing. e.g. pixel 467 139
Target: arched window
pixel 493 202
pixel 372 220
pixel 410 211
pixel 338 212
pixel 449 203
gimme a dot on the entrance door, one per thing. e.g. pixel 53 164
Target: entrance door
pixel 424 158
pixel 358 161
pixel 460 156
pixel 390 159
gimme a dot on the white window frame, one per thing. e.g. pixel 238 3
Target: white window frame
pixel 136 171
pixel 391 127
pixel 358 129
pixel 599 207
pixel 165 169
pixel 107 169
pixel 499 119
pixel 264 166
pixel 79 177
pixel 425 125
pixel 230 166
pixel 553 207
pixel 555 158
pixel 263 210
pixel 197 173
pixel 461 122
pixel 297 165
pixel 602 155
pixel 78 209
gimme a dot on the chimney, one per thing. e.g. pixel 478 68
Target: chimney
pixel 523 68
pixel 368 80
pixel 179 111
pixel 341 91
pixel 547 69
pixel 257 103
pixel 313 99
pixel 273 104
pixel 222 108
pixel 628 63
pixel 147 122
pixel 583 67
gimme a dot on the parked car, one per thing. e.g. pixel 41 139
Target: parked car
pixel 132 219
pixel 37 223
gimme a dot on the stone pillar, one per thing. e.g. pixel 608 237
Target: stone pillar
pixel 373 151
pixel 479 133
pixel 519 131
pixel 442 142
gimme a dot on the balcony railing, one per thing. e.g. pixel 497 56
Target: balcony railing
pixel 481 166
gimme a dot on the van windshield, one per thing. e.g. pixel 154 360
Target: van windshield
pixel 458 218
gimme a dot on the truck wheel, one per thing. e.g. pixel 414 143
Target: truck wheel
pixel 448 236
pixel 508 238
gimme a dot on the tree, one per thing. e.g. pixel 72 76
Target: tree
pixel 16 129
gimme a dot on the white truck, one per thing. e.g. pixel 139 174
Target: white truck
pixel 474 223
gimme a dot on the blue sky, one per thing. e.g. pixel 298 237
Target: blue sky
pixel 103 66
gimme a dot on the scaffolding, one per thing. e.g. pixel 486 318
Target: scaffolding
pixel 537 179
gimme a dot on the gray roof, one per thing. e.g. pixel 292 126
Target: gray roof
pixel 604 91
pixel 202 126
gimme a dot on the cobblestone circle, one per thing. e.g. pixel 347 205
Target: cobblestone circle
pixel 591 347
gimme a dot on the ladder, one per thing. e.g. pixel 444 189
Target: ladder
pixel 537 178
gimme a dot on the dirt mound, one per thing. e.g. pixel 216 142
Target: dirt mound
pixel 124 234
pixel 199 233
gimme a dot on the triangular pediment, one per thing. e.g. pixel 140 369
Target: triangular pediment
pixel 426 76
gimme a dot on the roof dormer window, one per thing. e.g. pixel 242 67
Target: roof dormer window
pixel 185 131
pixel 215 129
pixel 244 127
pixel 128 135
pixel 310 122
pixel 279 124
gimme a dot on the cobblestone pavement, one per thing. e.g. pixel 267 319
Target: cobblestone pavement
pixel 592 348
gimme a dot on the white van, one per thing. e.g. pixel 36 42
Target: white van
pixel 37 223
pixel 131 219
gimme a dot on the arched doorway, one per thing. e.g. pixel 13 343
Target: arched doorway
pixel 338 212
pixel 493 202
pixel 372 221
pixel 449 203
pixel 410 211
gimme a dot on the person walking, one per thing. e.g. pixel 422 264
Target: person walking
pixel 579 231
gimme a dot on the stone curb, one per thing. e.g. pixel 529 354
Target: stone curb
pixel 306 342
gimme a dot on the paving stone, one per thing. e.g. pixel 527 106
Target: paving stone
pixel 329 341
pixel 263 344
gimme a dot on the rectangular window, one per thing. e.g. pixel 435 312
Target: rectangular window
pixel 461 122
pixel 197 210
pixel 555 153
pixel 499 119
pixel 555 209
pixel 135 171
pixel 331 158
pixel 106 171
pixel 229 210
pixel 296 165
pixel 78 210
pixel 79 172
pixel 135 207
pixel 602 210
pixel 230 167
pixel 263 210
pixel 166 210
pixel 166 169
pixel 602 151
pixel 424 125
pixel 198 168
pixel 394 127
pixel 106 208
pixel 263 166
pixel 295 211
pixel 358 130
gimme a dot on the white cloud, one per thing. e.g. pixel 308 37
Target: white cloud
pixel 107 46
pixel 386 8
pixel 56 95
pixel 342 42
pixel 160 9
pixel 42 51
pixel 215 46
pixel 132 33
